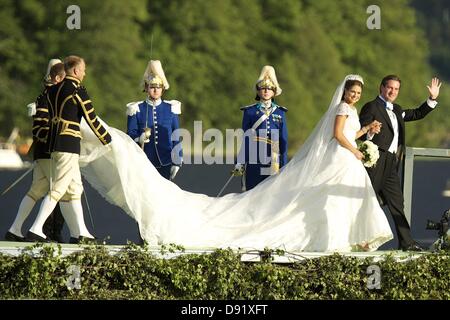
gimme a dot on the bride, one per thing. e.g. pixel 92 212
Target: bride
pixel 322 200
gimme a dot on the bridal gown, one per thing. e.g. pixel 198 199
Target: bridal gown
pixel 333 208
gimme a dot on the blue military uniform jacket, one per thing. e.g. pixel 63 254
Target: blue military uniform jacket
pixel 162 119
pixel 263 136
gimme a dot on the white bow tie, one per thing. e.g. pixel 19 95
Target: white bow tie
pixel 389 106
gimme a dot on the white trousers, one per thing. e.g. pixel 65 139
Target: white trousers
pixel 66 184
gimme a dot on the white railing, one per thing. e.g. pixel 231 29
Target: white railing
pixel 408 170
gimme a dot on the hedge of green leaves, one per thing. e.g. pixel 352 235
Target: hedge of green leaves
pixel 134 273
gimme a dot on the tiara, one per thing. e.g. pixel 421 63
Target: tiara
pixel 354 77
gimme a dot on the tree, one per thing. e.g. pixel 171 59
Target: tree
pixel 212 53
pixel 16 66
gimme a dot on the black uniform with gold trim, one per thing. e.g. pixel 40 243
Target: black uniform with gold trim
pixel 54 224
pixel 41 127
pixel 68 103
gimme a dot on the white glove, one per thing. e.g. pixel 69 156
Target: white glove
pixel 145 137
pixel 31 109
pixel 173 172
pixel 238 170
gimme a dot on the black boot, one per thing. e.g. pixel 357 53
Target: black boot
pixel 53 226
pixel 9 236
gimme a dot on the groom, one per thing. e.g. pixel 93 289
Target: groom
pixel 391 144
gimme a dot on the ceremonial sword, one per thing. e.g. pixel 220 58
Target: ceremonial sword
pixel 226 184
pixel 89 210
pixel 146 114
pixel 18 180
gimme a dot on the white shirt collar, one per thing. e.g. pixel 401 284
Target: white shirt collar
pixel 387 104
pixel 151 103
pixel 266 104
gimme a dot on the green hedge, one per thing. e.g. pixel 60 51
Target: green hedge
pixel 134 273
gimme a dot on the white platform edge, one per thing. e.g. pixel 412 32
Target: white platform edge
pixel 248 255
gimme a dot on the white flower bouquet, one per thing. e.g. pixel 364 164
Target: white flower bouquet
pixel 370 152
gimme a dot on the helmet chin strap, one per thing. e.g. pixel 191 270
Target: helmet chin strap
pixel 266 103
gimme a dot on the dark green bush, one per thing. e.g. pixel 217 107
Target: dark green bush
pixel 41 272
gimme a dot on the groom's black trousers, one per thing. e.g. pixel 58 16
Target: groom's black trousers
pixel 386 183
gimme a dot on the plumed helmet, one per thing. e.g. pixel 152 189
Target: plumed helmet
pixel 154 75
pixel 268 79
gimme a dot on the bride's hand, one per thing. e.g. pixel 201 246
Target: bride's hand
pixel 375 127
pixel 358 154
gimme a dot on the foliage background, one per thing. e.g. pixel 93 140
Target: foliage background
pixel 42 273
pixel 212 52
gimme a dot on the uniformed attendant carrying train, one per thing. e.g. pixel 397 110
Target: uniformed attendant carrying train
pixel 264 148
pixel 68 103
pixel 41 157
pixel 153 123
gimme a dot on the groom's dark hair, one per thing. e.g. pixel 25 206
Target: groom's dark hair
pixel 390 77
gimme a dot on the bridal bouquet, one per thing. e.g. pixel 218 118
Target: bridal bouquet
pixel 370 152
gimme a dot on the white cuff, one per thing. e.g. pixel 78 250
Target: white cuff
pixel 370 136
pixel 31 109
pixel 432 103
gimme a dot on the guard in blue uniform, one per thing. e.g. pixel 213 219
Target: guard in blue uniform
pixel 153 123
pixel 265 145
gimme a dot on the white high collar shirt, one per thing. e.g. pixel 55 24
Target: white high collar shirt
pixel 389 108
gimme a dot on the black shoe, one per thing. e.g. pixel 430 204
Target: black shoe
pixel 413 247
pixel 33 237
pixel 9 236
pixel 73 240
pixel 55 237
pixel 83 239
pixel 141 241
pixel 88 240
pixel 58 238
